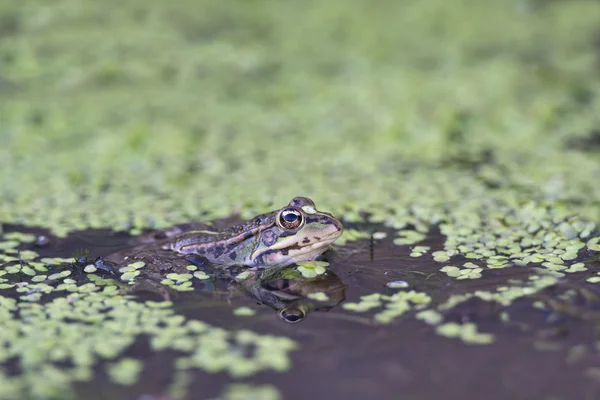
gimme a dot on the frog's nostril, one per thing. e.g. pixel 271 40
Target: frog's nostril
pixel 325 220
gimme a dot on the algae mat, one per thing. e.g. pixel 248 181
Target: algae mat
pixel 458 141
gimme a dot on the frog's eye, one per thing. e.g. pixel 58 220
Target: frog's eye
pixel 291 315
pixel 290 219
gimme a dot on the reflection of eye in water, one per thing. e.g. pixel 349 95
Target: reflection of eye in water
pixel 291 315
pixel 289 293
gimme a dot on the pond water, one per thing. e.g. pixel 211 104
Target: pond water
pixel 540 344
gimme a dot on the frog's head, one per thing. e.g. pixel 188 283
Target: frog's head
pixel 299 233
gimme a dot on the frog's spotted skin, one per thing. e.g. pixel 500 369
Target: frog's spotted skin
pixel 296 232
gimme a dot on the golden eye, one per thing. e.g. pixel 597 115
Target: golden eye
pixel 290 219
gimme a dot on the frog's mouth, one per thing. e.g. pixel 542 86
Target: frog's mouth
pixel 301 247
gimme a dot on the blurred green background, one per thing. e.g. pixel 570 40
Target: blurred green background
pixel 478 117
pixel 145 113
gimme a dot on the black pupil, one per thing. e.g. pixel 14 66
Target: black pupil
pixel 292 318
pixel 290 217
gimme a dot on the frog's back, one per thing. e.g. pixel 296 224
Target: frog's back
pixel 232 235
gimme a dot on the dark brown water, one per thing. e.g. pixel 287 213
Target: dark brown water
pixel 539 354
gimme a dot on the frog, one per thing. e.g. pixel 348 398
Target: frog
pixel 296 232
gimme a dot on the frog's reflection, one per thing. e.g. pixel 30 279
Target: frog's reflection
pixel 291 294
pixel 285 290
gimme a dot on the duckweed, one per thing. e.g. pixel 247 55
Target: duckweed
pixel 430 317
pixel 130 275
pixel 394 306
pixel 505 295
pixel 90 269
pixel 27 255
pixel 203 275
pixel 244 311
pixel 9 244
pixel 440 256
pixel 466 332
pixel 78 341
pixel 470 271
pixel 245 391
pixel 132 267
pixel 350 235
pixel 311 269
pixel 318 296
pixel 6 259
pixel 593 279
pixel 593 244
pixel 125 371
pixel 367 303
pixel 379 235
pixel 179 278
pixel 418 251
pixel 179 282
pixel 137 265
pixel 407 237
pixel 476 163
pixel 160 304
pixel 19 237
pixel 13 269
pixel 27 270
pixel 59 275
